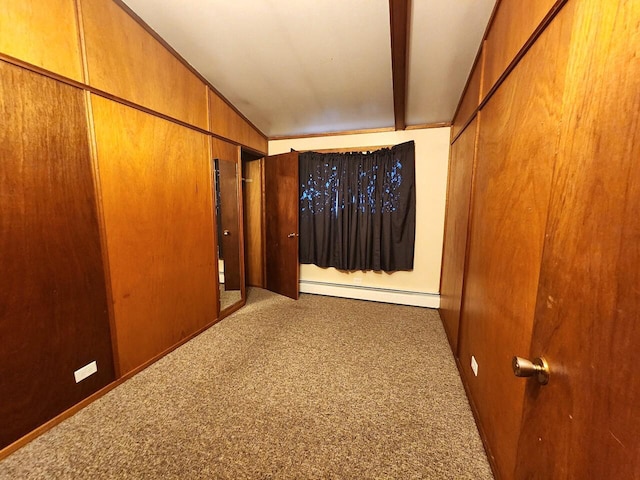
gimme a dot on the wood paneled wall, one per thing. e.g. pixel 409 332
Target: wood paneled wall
pixel 551 260
pixel 150 164
pixel 155 182
pixel 510 30
pixel 470 99
pixel 588 300
pixel 125 60
pixel 508 221
pixel 253 201
pixel 45 37
pixel 463 153
pixel 226 122
pixel 513 24
pixel 99 44
pixel 53 303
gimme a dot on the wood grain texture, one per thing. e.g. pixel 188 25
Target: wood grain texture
pixel 226 122
pixel 463 153
pixel 399 20
pixel 224 150
pixel 53 302
pixel 253 222
pixel 123 59
pixel 43 36
pixel 517 142
pixel 514 22
pixel 585 422
pixel 157 194
pixel 282 208
pixel 470 98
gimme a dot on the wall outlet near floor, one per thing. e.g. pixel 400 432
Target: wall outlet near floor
pixel 85 371
pixel 474 365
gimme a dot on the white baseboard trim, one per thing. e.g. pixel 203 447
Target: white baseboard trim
pixel 385 295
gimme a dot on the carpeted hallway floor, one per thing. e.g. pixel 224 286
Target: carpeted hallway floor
pixel 321 388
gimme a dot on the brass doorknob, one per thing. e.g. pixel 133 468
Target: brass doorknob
pixel 291 235
pixel 226 233
pixel 526 368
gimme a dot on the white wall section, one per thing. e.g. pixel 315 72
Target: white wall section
pixel 432 157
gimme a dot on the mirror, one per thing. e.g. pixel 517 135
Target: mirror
pixel 228 232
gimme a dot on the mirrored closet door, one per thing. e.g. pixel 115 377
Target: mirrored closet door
pixel 229 233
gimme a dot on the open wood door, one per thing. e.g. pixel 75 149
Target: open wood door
pixel 281 211
pixel 585 423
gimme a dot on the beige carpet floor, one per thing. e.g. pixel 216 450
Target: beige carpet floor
pixel 321 388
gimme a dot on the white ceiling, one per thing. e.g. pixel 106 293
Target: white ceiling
pixel 313 66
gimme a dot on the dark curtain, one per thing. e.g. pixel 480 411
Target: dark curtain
pixel 358 210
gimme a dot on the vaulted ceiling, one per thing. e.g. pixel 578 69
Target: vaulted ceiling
pixel 295 67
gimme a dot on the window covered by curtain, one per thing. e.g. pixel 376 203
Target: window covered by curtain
pixel 358 210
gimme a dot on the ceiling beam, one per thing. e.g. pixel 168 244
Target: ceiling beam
pixel 399 15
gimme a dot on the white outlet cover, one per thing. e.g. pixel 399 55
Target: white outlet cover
pixel 85 371
pixel 474 365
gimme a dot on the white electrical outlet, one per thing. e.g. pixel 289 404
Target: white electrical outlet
pixel 474 365
pixel 85 371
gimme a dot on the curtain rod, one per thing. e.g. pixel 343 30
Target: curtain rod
pixel 345 150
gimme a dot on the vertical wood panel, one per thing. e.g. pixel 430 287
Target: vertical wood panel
pixel 43 34
pixel 517 143
pixel 471 98
pixel 225 150
pixel 53 302
pixel 586 423
pixel 454 253
pixel 226 122
pixel 400 20
pixel 253 222
pixel 157 198
pixel 125 60
pixel 513 24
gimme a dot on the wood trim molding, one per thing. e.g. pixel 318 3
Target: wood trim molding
pixel 423 126
pixel 446 216
pixel 241 233
pixel 523 51
pixel 233 308
pixel 476 418
pixel 332 134
pixel 399 14
pixel 466 85
pixel 103 232
pixel 346 149
pixel 477 59
pixel 164 43
pixel 33 434
pixel 82 42
pixel 109 96
pixel 465 125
